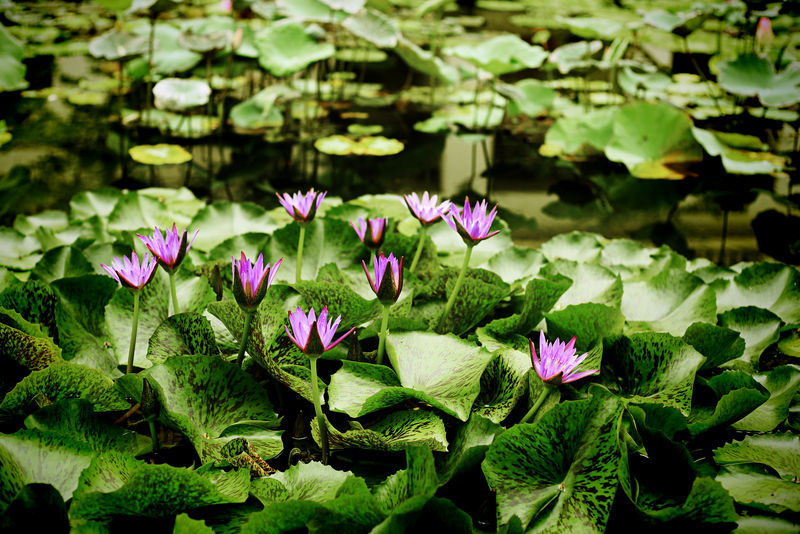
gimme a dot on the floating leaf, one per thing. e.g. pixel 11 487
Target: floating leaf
pixel 590 283
pixel 502 385
pixel 425 62
pixel 735 160
pixel 18 251
pixel 782 383
pixel 99 201
pixel 285 48
pixel 580 137
pixel 182 334
pixel 154 206
pixel 515 264
pixel 169 56
pixel 501 54
pixel 374 27
pixel 779 451
pixel 12 69
pixel 61 262
pixel 218 221
pixel 115 45
pixel 751 75
pixel 341 145
pixel 735 394
pixel 589 323
pixel 177 94
pixel 33 352
pixel 161 154
pixel 759 327
pixel 754 488
pixel 717 343
pixel 391 433
pixel 561 472
pixel 770 286
pixel 575 246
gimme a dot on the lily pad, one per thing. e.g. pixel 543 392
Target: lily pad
pixel 759 327
pixel 218 221
pixel 779 451
pixel 425 62
pixel 116 45
pixel 754 488
pixel 770 286
pixel 373 26
pixel 285 48
pixel 18 251
pixel 169 56
pixel 503 384
pixel 782 383
pixel 734 394
pixel 501 55
pixel 580 137
pixel 735 160
pixel 12 69
pixel 341 145
pixel 178 94
pixel 751 75
pixel 391 433
pixel 180 335
pixel 161 154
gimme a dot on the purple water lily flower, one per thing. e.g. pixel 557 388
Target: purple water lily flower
pixel 386 286
pixel 171 250
pixel 472 224
pixel 557 363
pixel 377 228
pixel 311 335
pixel 425 209
pixel 249 288
pixel 302 207
pixel 130 273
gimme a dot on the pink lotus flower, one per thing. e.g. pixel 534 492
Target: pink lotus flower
pixel 377 229
pixel 302 207
pixel 558 363
pixel 170 251
pixel 426 210
pixel 472 224
pixel 249 288
pixel 130 273
pixel 387 288
pixel 764 34
pixel 311 335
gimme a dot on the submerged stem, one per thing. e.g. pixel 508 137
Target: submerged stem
pixel 298 272
pixel 175 309
pixel 535 408
pixel 321 421
pixel 459 283
pixel 248 318
pixel 382 336
pixel 153 434
pixel 134 328
pixel 418 253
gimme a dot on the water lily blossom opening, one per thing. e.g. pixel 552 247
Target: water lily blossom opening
pixel 376 234
pixel 249 290
pixel 427 212
pixel 133 275
pixel 170 252
pixel 302 208
pixel 555 364
pixel 314 336
pixel 387 285
pixel 473 225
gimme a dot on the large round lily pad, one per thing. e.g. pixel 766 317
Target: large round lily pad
pixel 161 154
pixel 176 94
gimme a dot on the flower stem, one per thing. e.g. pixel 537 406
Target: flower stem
pixel 418 253
pixel 459 283
pixel 248 318
pixel 153 434
pixel 175 309
pixel 382 336
pixel 298 272
pixel 134 328
pixel 542 396
pixel 321 421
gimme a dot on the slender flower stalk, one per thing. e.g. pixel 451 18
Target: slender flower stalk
pixel 314 336
pixel 377 231
pixel 249 290
pixel 387 285
pixel 302 208
pixel 169 252
pixel 473 225
pixel 133 275
pixel 556 364
pixel 427 212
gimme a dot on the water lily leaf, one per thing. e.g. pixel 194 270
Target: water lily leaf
pixel 393 432
pixel 34 301
pixel 760 328
pixel 718 344
pixel 473 302
pixel 782 384
pixel 563 483
pixel 735 160
pixel 13 319
pixel 36 506
pixel 212 402
pixel 87 204
pixel 51 219
pixel 151 207
pixel 169 56
pixel 31 456
pixel 580 137
pixel 754 488
pixel 588 322
pixel 18 251
pixel 116 45
pixel 218 221
pixel 178 490
pixel 734 393
pixel 649 153
pixel 76 419
pixel 251 243
pixel 707 503
pixel 636 83
pixel 418 480
pixel 424 61
pixel 574 55
pixel 373 26
pixel 314 482
pixel 260 111
pixel 516 264
pixel 80 317
pixel 12 69
pixel 310 10
pixel 501 54
pixel 61 262
pixel 670 301
pixel 576 246
pixel 755 524
pixel 341 300
pixel 178 94
pixel 327 240
pixel 193 294
pixel 468 447
pixel 771 286
pixel 161 154
pixel 285 48
pixel 63 381
pixel 751 75
pixel 347 513
pixel 530 97
pixel 779 451
pixel 182 334
pixel 341 145
pixel 652 367
pixel 175 124
pixel 502 385
pixel 33 352
pixel 590 283
pixel 469 116
pixel 186 525
pixel 541 294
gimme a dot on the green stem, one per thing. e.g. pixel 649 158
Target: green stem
pixel 134 327
pixel 418 253
pixel 175 309
pixel 459 282
pixel 153 434
pixel 382 337
pixel 248 318
pixel 297 274
pixel 542 396
pixel 321 421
